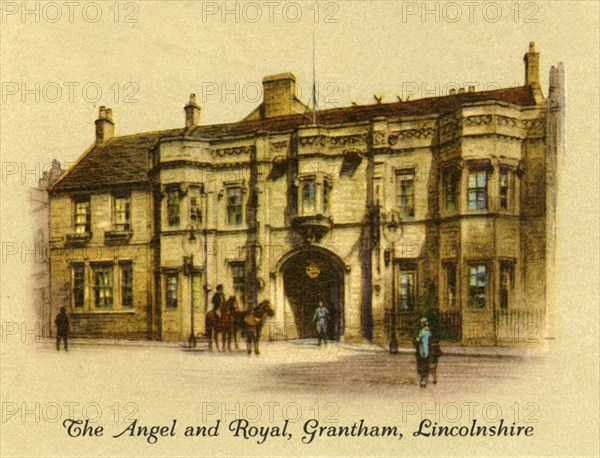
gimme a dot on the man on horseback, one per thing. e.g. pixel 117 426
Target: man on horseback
pixel 218 300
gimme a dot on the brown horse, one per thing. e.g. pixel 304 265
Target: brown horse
pixel 222 323
pixel 252 321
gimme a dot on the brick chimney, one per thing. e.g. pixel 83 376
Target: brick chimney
pixel 105 125
pixel 192 113
pixel 279 93
pixel 532 66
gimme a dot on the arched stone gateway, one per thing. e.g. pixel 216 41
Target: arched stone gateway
pixel 310 275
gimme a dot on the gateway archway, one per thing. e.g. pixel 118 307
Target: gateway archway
pixel 309 276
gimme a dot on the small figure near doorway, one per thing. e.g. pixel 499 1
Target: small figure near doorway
pixel 62 329
pixel 423 352
pixel 320 318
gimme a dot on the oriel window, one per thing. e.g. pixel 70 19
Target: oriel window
pixel 234 206
pixel 173 207
pixel 504 189
pixel 477 287
pixel 82 220
pixel 477 191
pixel 452 185
pixel 195 205
pixel 308 196
pixel 326 196
pixel 122 213
pixel 406 193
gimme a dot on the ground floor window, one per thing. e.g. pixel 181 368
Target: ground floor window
pixel 406 290
pixel 126 284
pixel 477 286
pixel 196 290
pixel 171 290
pixel 507 281
pixel 78 285
pixel 450 269
pixel 238 275
pixel 103 285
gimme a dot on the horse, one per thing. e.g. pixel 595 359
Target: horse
pixel 222 323
pixel 252 321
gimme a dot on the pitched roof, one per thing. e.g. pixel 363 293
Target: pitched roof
pixel 125 159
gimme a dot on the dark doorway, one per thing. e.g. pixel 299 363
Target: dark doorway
pixel 310 277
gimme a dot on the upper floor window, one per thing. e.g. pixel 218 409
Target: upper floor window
pixel 103 285
pixel 122 213
pixel 326 196
pixel 82 219
pixel 173 207
pixel 477 190
pixel 195 205
pixel 477 286
pixel 309 191
pixel 452 186
pixel 234 206
pixel 505 186
pixel 406 193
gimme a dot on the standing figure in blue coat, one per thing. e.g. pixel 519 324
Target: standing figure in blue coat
pixel 320 318
pixel 423 352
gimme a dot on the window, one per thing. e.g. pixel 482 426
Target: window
pixel 126 284
pixel 308 196
pixel 78 285
pixel 195 205
pixel 406 290
pixel 122 205
pixel 452 183
pixel 173 207
pixel 451 285
pixel 171 291
pixel 477 192
pixel 196 290
pixel 507 280
pixel 234 206
pixel 238 273
pixel 477 287
pixel 103 285
pixel 406 193
pixel 504 189
pixel 326 196
pixel 82 216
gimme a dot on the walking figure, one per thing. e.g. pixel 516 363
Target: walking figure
pixel 435 353
pixel 423 352
pixel 62 329
pixel 320 318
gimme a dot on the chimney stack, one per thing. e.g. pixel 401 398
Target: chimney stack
pixel 471 88
pixel 461 90
pixel 279 94
pixel 105 125
pixel 532 66
pixel 452 91
pixel 192 113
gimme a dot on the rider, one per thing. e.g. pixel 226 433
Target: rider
pixel 218 300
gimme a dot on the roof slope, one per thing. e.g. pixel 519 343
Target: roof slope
pixel 125 159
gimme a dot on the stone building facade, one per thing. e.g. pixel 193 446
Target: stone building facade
pixel 365 208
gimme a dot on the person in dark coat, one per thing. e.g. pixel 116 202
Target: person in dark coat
pixel 218 300
pixel 62 329
pixel 320 319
